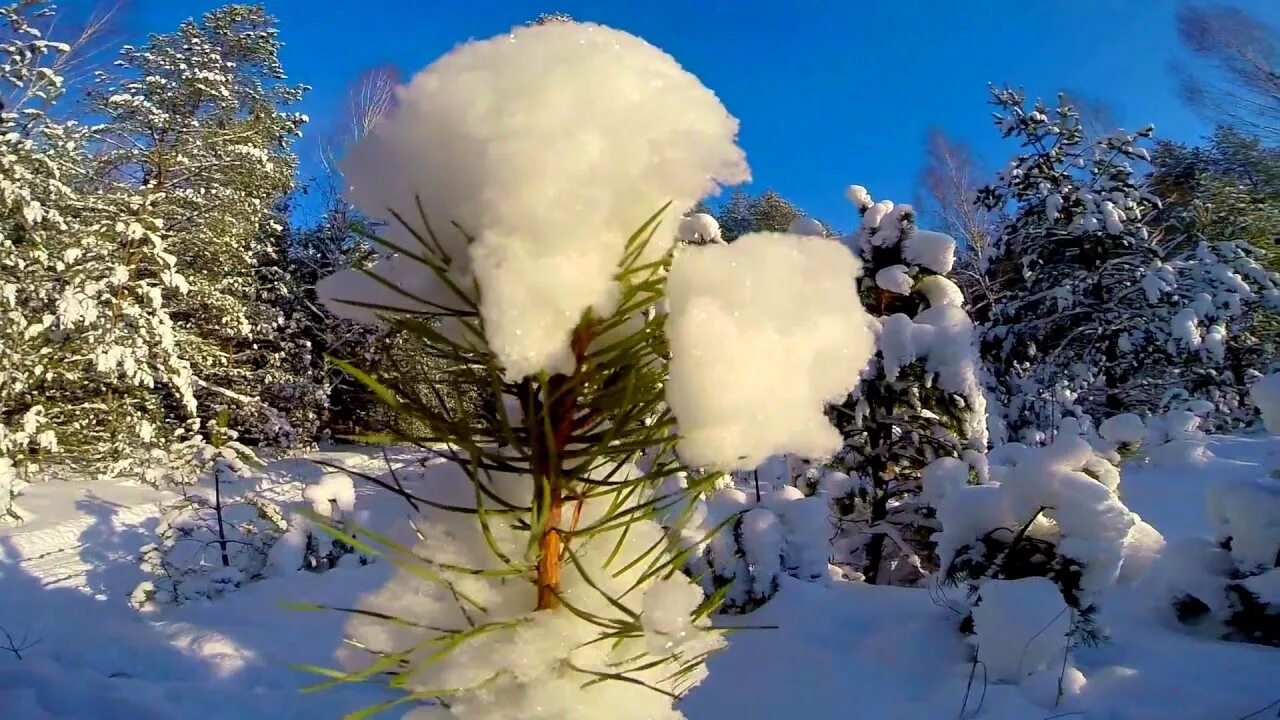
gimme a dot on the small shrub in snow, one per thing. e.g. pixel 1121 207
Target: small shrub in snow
pixel 321 539
pixel 781 533
pixel 10 484
pixel 1050 512
pixel 212 540
pixel 1234 580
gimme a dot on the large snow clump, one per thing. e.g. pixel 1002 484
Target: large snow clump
pixel 550 145
pixel 774 311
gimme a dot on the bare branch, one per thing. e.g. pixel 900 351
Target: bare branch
pixel 1237 77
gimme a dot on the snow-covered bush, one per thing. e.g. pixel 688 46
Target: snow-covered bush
pixel 745 543
pixel 538 531
pixel 1233 581
pixel 10 484
pixel 1048 512
pixel 215 538
pixel 919 400
pixel 322 538
pixel 1020 627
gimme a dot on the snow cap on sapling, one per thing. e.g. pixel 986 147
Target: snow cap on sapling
pixel 699 228
pixel 609 130
pixel 773 313
pixel 806 226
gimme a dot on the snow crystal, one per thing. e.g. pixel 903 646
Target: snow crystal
pixel 1248 513
pixel 1020 627
pixel 699 228
pixel 1125 428
pixel 894 279
pixel 788 307
pixel 806 226
pixel 1265 395
pixel 934 250
pixel 603 123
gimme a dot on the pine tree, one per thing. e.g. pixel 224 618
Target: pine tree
pixel 919 401
pixel 1069 256
pixel 91 360
pixel 1103 306
pixel 198 122
pixel 1226 194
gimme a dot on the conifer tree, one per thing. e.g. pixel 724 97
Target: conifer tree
pixel 919 401
pixel 198 121
pixel 90 362
pixel 1099 312
pixel 538 530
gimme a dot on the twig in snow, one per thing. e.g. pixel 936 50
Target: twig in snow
pixel 973 669
pixel 17 647
pixel 1261 710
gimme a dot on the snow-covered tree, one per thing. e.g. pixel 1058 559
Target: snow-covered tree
pixel 1096 309
pixel 90 361
pixel 1232 582
pixel 919 401
pixel 1225 194
pixel 198 122
pixel 538 531
pixel 742 214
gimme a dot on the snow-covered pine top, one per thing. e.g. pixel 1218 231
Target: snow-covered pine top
pixel 610 130
pixel 920 311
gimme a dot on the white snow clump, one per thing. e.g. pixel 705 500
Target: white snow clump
pixel 699 228
pixel 806 226
pixel 1265 394
pixel 550 146
pixel 1020 627
pixel 770 311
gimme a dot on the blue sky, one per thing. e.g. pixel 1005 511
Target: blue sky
pixel 828 93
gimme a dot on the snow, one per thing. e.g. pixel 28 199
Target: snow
pixel 644 133
pixel 788 307
pixel 939 290
pixel 1265 394
pixel 699 228
pixel 806 226
pixel 894 279
pixel 65 576
pixel 1125 428
pixel 934 250
pixel 1020 627
pixel 859 196
pixel 1248 513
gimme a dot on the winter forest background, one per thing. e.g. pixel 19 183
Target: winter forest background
pixel 490 382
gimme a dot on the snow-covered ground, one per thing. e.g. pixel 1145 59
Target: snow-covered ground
pixel 848 651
